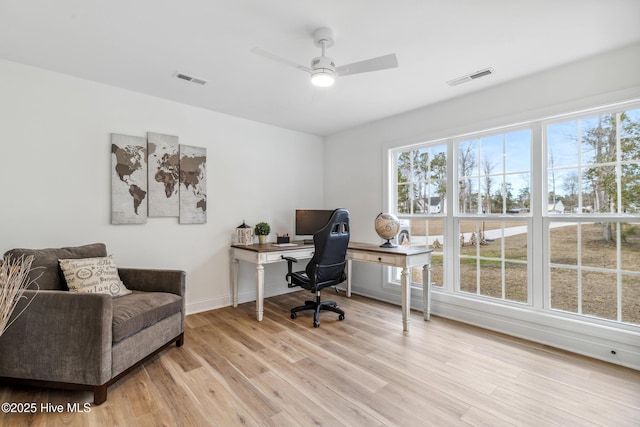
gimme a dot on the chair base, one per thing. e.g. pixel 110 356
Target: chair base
pixel 316 306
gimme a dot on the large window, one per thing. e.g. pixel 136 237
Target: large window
pixel 493 184
pixel 559 234
pixel 421 200
pixel 593 177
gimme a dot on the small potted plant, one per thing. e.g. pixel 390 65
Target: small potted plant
pixel 262 230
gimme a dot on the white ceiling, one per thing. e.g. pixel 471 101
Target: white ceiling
pixel 141 44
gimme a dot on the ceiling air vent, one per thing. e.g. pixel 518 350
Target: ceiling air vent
pixel 472 76
pixel 192 79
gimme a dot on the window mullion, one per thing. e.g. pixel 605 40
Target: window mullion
pixel 537 208
pixel 618 273
pixel 580 169
pixel 618 224
pixel 579 265
pixel 503 265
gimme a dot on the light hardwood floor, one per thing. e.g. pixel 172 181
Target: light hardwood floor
pixel 363 371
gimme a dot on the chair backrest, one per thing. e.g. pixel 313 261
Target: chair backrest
pixel 327 266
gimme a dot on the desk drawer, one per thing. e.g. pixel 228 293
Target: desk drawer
pixel 299 254
pixel 358 256
pixel 382 259
pixel 373 257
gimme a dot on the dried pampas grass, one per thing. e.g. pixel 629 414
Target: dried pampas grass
pixel 14 280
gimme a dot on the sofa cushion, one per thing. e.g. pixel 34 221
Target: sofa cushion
pixel 45 262
pixel 139 310
pixel 93 276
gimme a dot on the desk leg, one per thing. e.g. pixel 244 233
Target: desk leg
pixel 259 292
pixel 234 280
pixel 426 290
pixel 349 278
pixel 406 298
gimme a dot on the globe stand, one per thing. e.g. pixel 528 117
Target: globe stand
pixel 388 244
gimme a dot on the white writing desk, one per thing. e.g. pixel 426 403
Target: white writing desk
pixel 402 257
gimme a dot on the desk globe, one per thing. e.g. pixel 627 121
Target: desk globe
pixel 387 227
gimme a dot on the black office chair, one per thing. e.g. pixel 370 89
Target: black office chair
pixel 327 266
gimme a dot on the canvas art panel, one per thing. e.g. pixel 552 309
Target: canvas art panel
pixel 163 175
pixel 193 185
pixel 128 179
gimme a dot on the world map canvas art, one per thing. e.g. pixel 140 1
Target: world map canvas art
pixel 156 176
pixel 128 179
pixel 164 174
pixel 193 185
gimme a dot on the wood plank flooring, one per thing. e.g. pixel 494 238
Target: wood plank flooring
pixel 363 371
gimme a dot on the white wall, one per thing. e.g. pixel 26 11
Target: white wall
pixel 56 178
pixel 354 177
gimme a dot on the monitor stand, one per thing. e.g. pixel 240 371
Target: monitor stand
pixel 308 241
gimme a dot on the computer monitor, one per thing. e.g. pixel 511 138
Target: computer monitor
pixel 308 221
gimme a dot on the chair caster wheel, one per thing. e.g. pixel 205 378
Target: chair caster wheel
pixel 316 324
pixel 341 317
pixel 294 315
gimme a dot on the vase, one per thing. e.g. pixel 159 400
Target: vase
pixel 262 239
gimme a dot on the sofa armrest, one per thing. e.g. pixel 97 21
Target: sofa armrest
pixel 152 280
pixel 61 336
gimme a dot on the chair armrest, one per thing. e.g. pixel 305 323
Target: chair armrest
pixel 61 336
pixel 154 280
pixel 290 261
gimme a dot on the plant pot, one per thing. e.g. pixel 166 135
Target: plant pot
pixel 262 239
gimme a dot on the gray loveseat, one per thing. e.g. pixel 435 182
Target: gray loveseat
pixel 88 341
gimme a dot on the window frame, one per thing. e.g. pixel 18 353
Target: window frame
pixel 537 219
pixel 581 218
pixel 458 217
pixel 391 275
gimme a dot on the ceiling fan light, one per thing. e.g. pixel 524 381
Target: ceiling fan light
pixel 322 78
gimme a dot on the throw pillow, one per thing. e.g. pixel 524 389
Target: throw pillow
pixel 93 275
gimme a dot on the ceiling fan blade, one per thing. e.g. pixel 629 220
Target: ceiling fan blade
pixel 269 55
pixel 373 64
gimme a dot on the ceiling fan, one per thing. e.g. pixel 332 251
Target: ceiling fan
pixel 323 71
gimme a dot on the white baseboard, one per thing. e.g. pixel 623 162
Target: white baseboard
pixel 225 301
pixel 208 304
